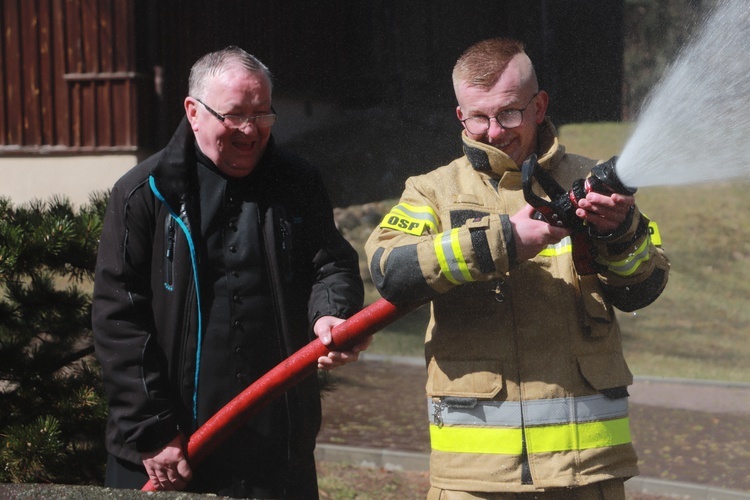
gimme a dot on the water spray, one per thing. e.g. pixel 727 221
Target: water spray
pixel 695 126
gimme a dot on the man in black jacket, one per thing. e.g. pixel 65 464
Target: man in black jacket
pixel 218 259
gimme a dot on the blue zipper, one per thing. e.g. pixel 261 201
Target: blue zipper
pixel 193 261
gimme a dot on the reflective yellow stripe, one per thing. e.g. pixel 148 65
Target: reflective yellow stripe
pixel 442 261
pixel 578 436
pixel 497 441
pixel 542 439
pixel 564 246
pixel 628 266
pixel 451 258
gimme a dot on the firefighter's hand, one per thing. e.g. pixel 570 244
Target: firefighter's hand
pixel 531 235
pixel 322 329
pixel 605 212
pixel 167 468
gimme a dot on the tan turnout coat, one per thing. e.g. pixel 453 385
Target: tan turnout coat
pixel 526 375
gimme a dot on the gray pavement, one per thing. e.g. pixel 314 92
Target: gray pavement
pixel 685 394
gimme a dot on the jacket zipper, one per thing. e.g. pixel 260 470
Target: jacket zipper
pixel 169 254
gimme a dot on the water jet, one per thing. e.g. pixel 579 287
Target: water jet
pixel 695 126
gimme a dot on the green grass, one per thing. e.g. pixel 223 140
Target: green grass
pixel 700 326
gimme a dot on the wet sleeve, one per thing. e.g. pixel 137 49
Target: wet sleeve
pixel 635 267
pixel 415 254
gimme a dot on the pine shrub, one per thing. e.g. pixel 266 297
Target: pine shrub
pixel 52 408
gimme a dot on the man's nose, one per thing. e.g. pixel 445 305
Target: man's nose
pixel 495 129
pixel 248 128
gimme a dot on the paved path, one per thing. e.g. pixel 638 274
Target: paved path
pixel 700 395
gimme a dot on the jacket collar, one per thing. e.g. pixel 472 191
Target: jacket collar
pixel 486 158
pixel 175 170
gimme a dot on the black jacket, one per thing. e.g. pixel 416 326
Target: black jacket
pixel 147 296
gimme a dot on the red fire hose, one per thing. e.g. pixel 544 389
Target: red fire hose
pixel 286 375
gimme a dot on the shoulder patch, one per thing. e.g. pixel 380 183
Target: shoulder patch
pixel 410 219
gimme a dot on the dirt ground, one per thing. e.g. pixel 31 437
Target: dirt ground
pixel 379 404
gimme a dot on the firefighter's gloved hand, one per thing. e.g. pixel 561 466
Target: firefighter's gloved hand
pixel 333 359
pixel 605 212
pixel 167 468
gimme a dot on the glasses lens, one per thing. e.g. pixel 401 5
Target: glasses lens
pixel 265 120
pixel 234 121
pixel 510 118
pixel 477 124
pixel 262 121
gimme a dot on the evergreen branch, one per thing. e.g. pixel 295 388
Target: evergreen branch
pixel 70 358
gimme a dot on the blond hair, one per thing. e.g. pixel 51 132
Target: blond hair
pixel 482 64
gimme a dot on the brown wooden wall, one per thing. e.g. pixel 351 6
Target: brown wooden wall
pixel 67 71
pixel 110 75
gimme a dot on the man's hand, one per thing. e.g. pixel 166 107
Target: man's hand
pixel 605 212
pixel 167 468
pixel 531 235
pixel 322 329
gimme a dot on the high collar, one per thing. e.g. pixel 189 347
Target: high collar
pixel 490 160
pixel 175 171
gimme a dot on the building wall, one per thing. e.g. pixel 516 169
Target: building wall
pixel 27 178
pixel 98 77
pixel 69 82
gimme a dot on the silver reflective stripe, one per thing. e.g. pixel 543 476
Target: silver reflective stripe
pixel 425 216
pixel 569 410
pixel 536 412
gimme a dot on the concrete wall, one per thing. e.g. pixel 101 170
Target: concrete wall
pixel 25 178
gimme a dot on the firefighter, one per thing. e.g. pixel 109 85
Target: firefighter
pixel 527 383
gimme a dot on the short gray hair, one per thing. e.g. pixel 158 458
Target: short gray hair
pixel 214 63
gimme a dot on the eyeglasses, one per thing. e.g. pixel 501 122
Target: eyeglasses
pixel 508 118
pixel 238 121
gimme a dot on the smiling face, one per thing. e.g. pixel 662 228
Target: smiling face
pixel 233 91
pixel 513 90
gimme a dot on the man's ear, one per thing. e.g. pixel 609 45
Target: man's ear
pixel 191 111
pixel 542 100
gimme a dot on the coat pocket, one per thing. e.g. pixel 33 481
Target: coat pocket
pixel 599 315
pixel 605 371
pixel 470 379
